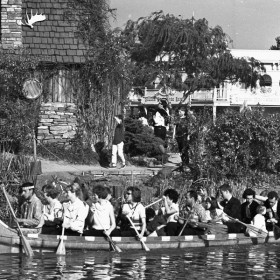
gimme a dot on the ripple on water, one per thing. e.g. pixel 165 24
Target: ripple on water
pixel 239 262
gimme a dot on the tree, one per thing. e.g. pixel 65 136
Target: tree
pixel 103 81
pixel 186 54
pixel 277 47
pixel 18 115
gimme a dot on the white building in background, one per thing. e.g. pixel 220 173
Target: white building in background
pixel 266 94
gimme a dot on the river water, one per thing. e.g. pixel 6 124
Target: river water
pixel 238 262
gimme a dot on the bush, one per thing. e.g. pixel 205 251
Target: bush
pixel 140 140
pixel 240 148
pixel 244 142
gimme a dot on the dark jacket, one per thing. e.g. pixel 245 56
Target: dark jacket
pixel 119 134
pixel 253 207
pixel 181 128
pixel 267 205
pixel 233 209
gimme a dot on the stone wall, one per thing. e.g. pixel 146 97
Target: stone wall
pixel 57 123
pixel 11 31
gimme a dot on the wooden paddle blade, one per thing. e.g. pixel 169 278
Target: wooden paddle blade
pixel 145 246
pixel 118 249
pixel 137 233
pixel 114 246
pixel 276 231
pixel 61 248
pixel 26 246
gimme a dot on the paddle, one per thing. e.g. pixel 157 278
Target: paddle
pixel 141 240
pixel 214 228
pixel 185 224
pixel 149 205
pixel 114 246
pixel 61 246
pixel 27 248
pixel 252 228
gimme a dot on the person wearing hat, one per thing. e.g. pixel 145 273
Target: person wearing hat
pixel 31 210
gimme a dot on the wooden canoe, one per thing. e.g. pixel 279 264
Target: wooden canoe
pixel 10 241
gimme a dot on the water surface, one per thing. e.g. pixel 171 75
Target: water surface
pixel 238 262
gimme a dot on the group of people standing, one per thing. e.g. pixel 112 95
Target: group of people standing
pixel 99 215
pixel 161 121
pixel 181 126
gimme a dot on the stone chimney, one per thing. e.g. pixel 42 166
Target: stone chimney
pixel 11 31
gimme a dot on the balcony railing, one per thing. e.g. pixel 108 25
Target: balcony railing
pixel 226 96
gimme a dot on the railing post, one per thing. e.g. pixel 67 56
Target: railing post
pixel 214 95
pixel 214 113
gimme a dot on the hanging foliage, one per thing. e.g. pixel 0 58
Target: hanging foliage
pixel 104 79
pixel 186 54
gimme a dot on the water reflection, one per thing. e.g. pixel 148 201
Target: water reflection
pixel 239 262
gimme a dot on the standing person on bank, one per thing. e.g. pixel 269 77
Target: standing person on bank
pixel 180 133
pixel 118 142
pixel 161 120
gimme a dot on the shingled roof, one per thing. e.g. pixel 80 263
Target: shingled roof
pixel 54 38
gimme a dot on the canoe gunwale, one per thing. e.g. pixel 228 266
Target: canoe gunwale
pixel 10 238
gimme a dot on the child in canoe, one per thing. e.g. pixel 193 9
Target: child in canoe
pixel 258 220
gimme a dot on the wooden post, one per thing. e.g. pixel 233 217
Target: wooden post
pixel 214 113
pixel 34 147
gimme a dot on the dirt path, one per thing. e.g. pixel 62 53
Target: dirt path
pixel 67 172
pixel 49 166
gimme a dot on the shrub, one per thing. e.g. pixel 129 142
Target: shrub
pixel 240 148
pixel 140 140
pixel 244 142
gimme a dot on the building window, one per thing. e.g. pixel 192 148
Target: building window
pixel 265 81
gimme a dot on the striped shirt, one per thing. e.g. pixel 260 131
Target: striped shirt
pixel 137 213
pixel 31 212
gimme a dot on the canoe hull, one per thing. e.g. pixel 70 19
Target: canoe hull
pixel 10 242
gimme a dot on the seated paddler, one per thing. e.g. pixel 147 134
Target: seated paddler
pixel 102 220
pixel 194 213
pixel 52 211
pixel 231 207
pixel 134 209
pixel 75 211
pixel 31 209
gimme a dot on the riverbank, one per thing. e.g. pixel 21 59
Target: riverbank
pixel 67 172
